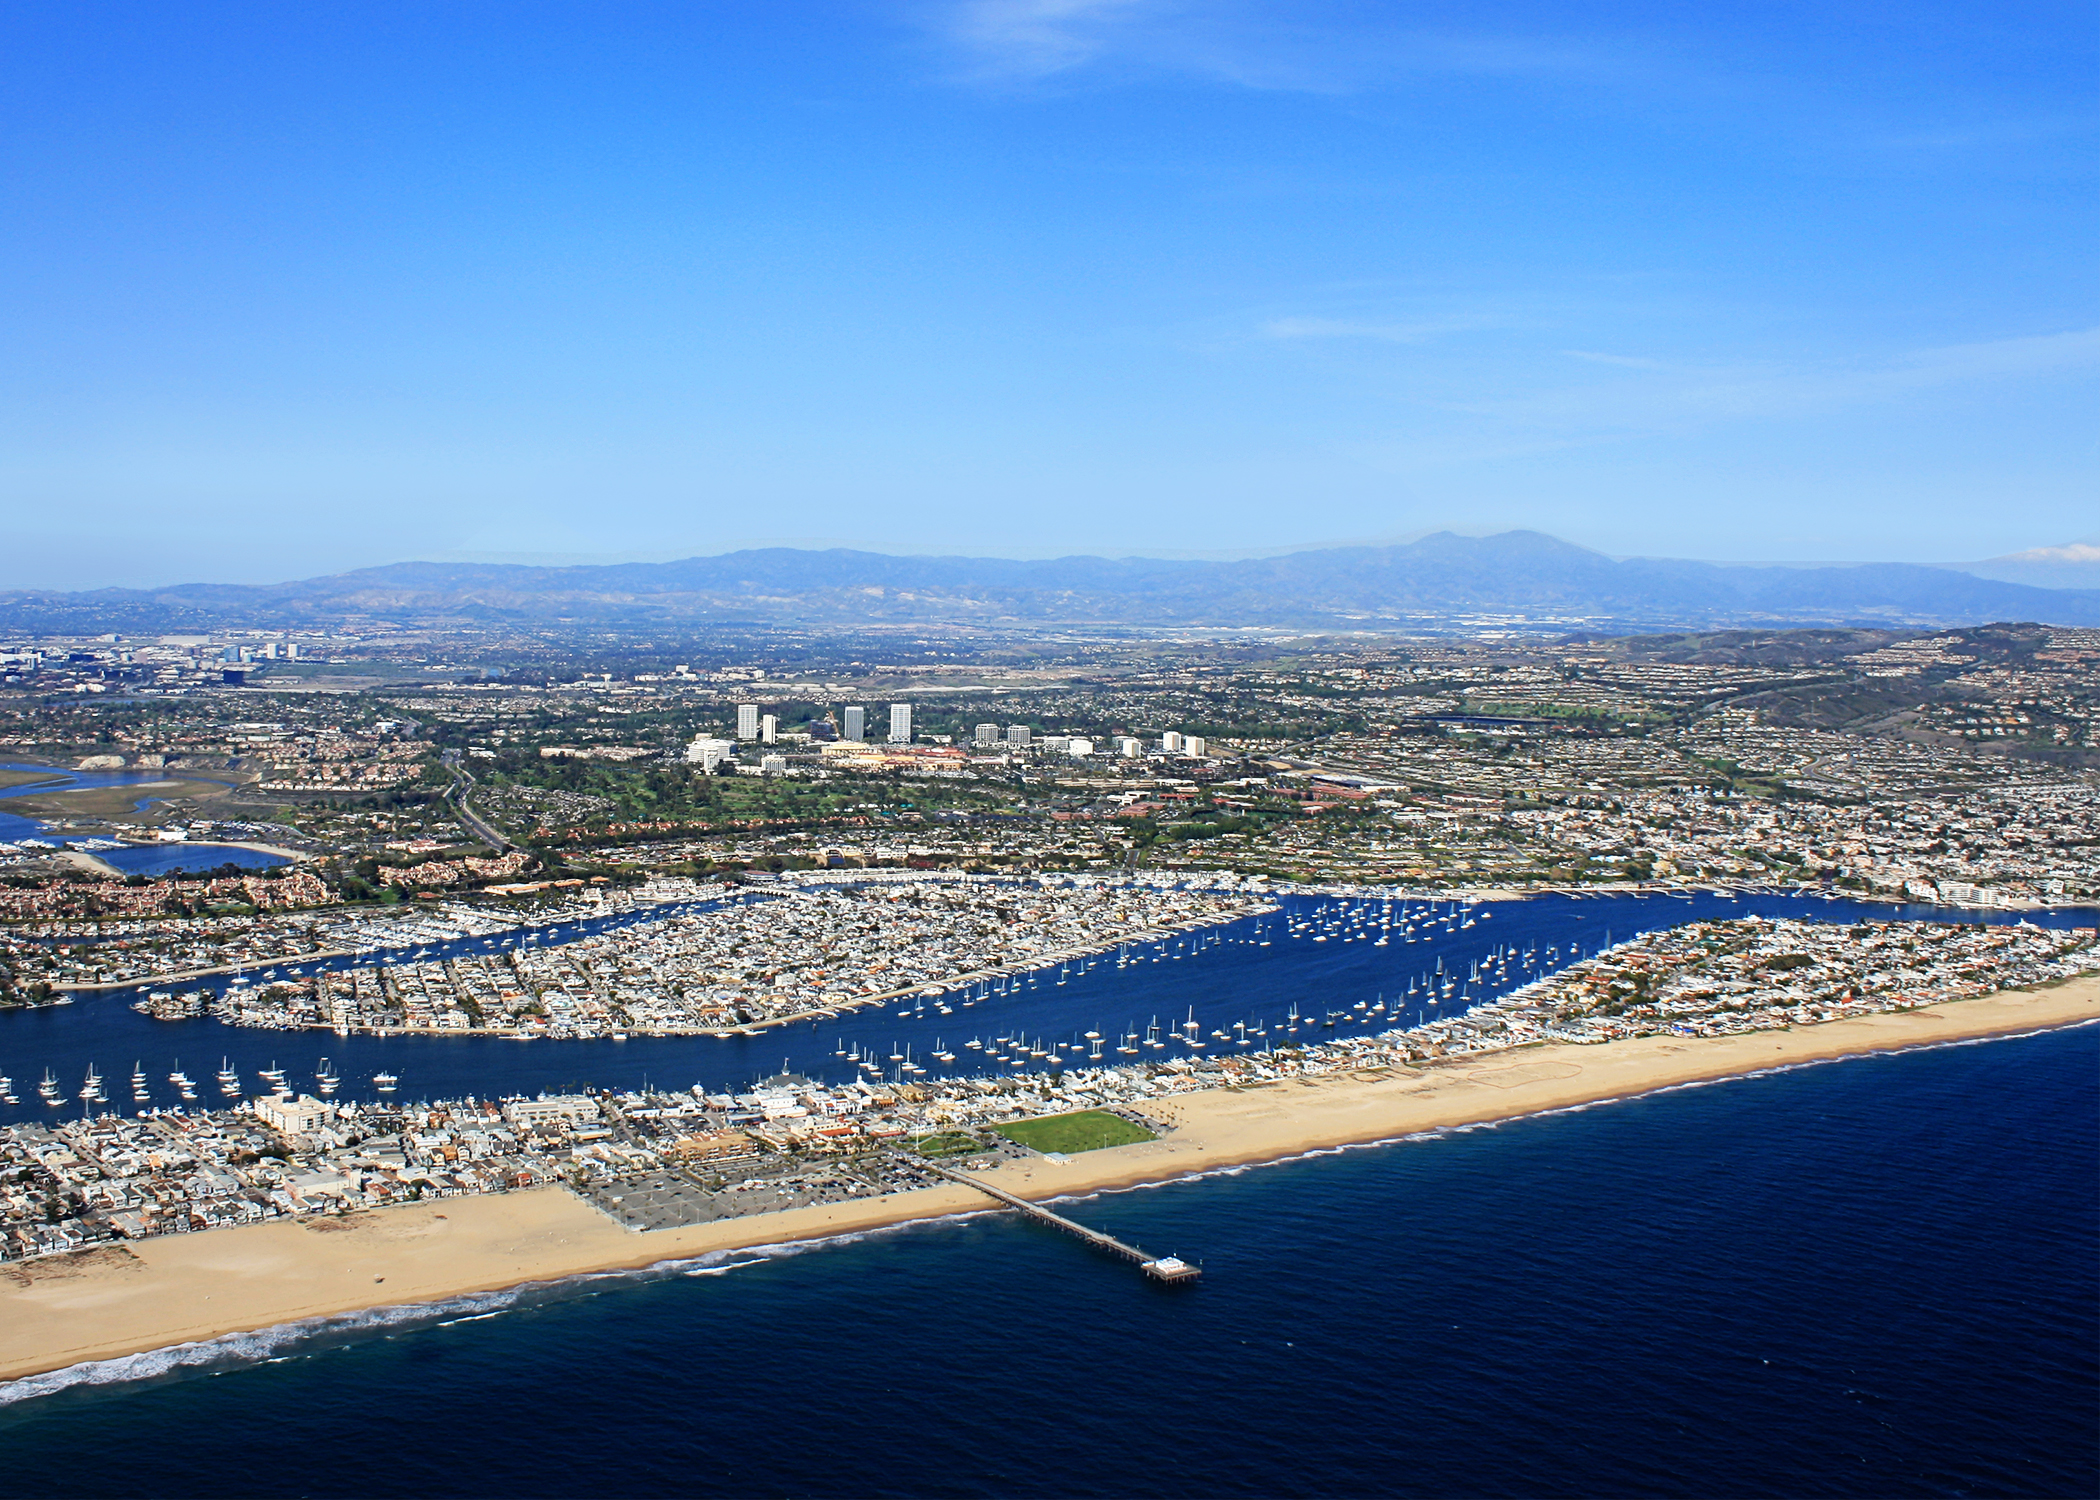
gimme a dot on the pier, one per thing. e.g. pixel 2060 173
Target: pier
pixel 1165 1268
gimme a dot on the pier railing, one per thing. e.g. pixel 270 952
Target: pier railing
pixel 1167 1268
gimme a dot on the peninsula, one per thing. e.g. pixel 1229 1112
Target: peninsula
pixel 59 1311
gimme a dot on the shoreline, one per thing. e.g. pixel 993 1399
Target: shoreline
pixel 153 1294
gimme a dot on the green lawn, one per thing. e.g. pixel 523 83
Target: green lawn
pixel 948 1143
pixel 1089 1130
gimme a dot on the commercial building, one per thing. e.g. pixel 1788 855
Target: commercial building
pixel 987 734
pixel 707 753
pixel 1017 735
pixel 300 1116
pixel 856 724
pixel 900 723
pixel 768 728
pixel 577 1109
pixel 1127 747
pixel 1170 743
pixel 747 721
pixel 1192 744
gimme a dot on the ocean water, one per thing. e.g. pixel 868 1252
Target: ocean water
pixel 1872 1277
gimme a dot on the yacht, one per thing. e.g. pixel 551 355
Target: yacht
pixel 91 1087
pixel 7 1090
pixel 49 1089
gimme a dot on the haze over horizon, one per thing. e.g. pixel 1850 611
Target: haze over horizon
pixel 296 293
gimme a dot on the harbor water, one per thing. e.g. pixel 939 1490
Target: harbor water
pixel 1323 967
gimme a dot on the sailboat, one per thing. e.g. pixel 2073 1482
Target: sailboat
pixel 49 1089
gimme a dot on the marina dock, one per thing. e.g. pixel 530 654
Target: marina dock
pixel 1165 1268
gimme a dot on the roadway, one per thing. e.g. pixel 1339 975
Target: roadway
pixel 462 783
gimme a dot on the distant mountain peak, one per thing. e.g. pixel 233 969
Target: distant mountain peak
pixel 1438 582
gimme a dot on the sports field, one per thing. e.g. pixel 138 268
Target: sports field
pixel 1088 1130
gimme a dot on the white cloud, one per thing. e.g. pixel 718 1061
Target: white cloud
pixel 1655 395
pixel 1353 328
pixel 1036 38
pixel 1306 47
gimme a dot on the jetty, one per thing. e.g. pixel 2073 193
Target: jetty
pixel 1167 1268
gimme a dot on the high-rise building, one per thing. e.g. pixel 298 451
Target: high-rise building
pixel 1017 734
pixel 768 728
pixel 1127 747
pixel 1170 742
pixel 900 723
pixel 1192 744
pixel 856 724
pixel 747 721
pixel 987 734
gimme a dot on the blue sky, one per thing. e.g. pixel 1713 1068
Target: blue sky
pixel 290 289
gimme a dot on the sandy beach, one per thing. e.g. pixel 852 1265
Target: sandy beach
pixel 118 1300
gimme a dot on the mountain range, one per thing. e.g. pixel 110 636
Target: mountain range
pixel 1443 581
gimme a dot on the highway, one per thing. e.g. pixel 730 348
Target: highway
pixel 462 783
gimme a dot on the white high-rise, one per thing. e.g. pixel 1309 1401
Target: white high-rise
pixel 856 724
pixel 747 721
pixel 1170 742
pixel 987 734
pixel 1017 734
pixel 768 728
pixel 900 723
pixel 1192 744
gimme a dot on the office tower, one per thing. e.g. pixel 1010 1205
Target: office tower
pixel 1128 748
pixel 987 734
pixel 747 721
pixel 900 723
pixel 768 728
pixel 1017 735
pixel 856 724
pixel 1192 744
pixel 1170 742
